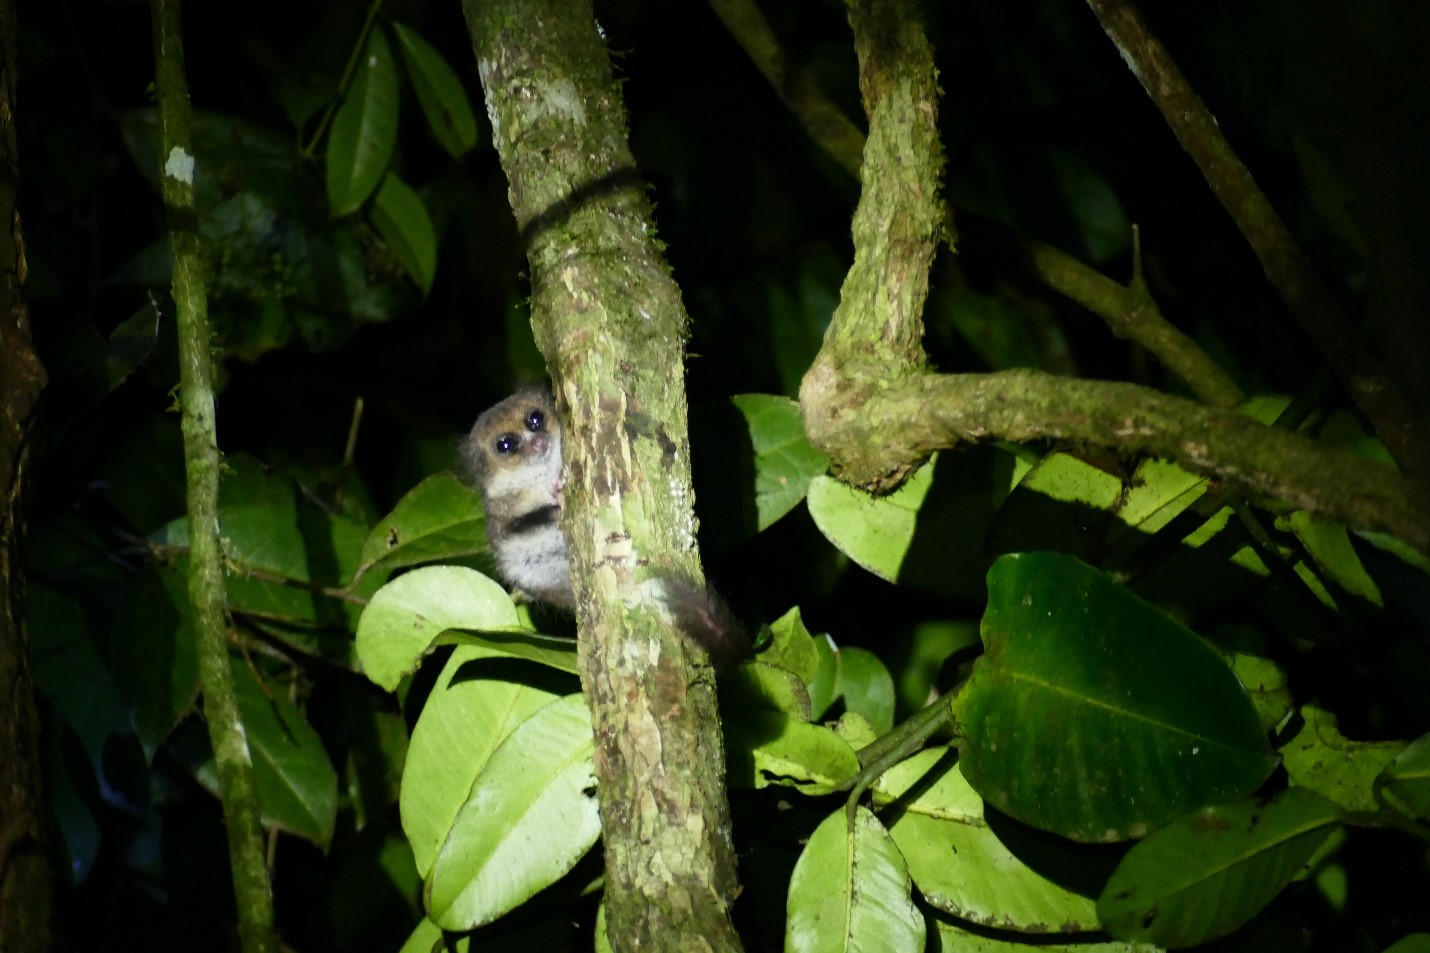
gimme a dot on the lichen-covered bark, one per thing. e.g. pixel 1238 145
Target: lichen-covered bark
pixel 611 324
pixel 26 876
pixel 874 342
pixel 201 461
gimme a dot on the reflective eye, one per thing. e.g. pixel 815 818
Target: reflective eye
pixel 535 419
pixel 506 443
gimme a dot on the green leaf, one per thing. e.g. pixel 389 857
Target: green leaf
pixel 767 747
pixel 1321 759
pixel 439 92
pixel 1330 546
pixel 866 687
pixel 372 776
pixel 792 646
pixel 403 621
pixel 950 937
pixel 1208 873
pixel 1407 779
pixel 155 665
pixel 1411 943
pixel 1095 715
pixel 929 534
pixel 284 272
pixel 1265 682
pixel 1063 503
pixel 553 651
pixel 875 532
pixel 68 670
pixel 364 129
pixel 530 817
pixel 1158 492
pixel 923 656
pixel 785 461
pixel 131 343
pixel 270 535
pixel 996 328
pixel 295 782
pixel 402 220
pixel 850 891
pixel 473 707
pixel 439 519
pixel 960 864
pixel 757 685
pixel 1094 206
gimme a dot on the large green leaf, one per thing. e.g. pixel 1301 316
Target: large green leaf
pixel 364 128
pixel 850 891
pixel 440 518
pixel 406 617
pixel 785 462
pixel 402 220
pixel 960 864
pixel 439 92
pixel 531 815
pixel 1208 873
pixel 1095 715
pixel 295 782
pixel 473 707
pixel 1321 759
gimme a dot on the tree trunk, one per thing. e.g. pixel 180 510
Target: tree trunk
pixel 611 324
pixel 26 877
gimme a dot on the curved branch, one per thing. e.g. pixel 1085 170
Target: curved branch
pixel 1130 312
pixel 899 426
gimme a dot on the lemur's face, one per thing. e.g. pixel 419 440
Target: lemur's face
pixel 514 450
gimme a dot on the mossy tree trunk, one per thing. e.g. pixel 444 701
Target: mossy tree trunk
pixel 609 319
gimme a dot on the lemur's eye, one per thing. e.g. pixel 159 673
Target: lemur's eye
pixel 535 419
pixel 506 443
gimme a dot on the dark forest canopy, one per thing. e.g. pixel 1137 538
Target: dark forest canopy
pixel 359 328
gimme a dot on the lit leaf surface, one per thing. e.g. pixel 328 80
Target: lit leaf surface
pixel 1208 873
pixel 850 891
pixel 531 815
pixel 1093 714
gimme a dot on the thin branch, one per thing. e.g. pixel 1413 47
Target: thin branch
pixel 206 584
pixel 1286 265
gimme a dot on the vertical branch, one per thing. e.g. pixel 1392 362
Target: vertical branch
pixel 201 458
pixel 1286 265
pixel 610 322
pixel 875 340
pixel 26 876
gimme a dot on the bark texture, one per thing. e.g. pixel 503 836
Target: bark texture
pixel 26 873
pixel 609 319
